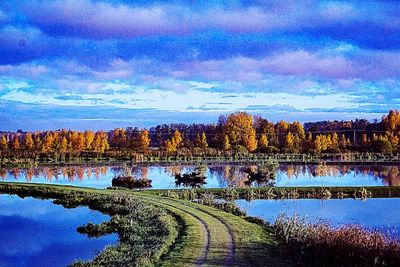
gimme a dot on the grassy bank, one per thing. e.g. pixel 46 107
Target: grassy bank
pixel 250 193
pixel 146 232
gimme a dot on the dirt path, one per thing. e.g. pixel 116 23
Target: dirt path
pixel 205 230
pixel 230 244
pixel 218 247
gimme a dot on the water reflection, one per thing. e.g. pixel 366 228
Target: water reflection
pixel 221 175
pixel 38 233
pixel 338 175
pixel 377 213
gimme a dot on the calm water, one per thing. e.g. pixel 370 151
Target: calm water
pixel 372 213
pixel 38 233
pixel 217 176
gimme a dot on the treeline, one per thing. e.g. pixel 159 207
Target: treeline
pixel 238 132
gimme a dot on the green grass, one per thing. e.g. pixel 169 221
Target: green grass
pixel 254 245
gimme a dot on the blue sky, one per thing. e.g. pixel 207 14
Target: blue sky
pixel 103 64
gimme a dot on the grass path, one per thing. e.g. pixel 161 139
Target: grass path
pixel 233 240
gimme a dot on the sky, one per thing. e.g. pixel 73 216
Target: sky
pixel 86 64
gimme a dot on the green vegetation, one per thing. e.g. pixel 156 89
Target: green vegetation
pixel 250 193
pixel 156 230
pixel 146 232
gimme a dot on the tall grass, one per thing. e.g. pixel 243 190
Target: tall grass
pixel 320 244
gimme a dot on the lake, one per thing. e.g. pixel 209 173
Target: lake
pixel 218 176
pixel 375 213
pixel 39 233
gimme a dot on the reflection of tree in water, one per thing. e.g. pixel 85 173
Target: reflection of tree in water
pixel 235 176
pixel 80 173
pixel 15 173
pixel 29 174
pixel 141 172
pixel 48 172
pixel 194 179
pixel 53 173
pixel 3 174
pixel 89 173
pixel 173 169
pixel 262 175
pixel 218 172
pixel 390 174
pixel 118 170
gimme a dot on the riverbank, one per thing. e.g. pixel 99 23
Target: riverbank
pixel 249 193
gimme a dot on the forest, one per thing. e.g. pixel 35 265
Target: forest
pixel 238 132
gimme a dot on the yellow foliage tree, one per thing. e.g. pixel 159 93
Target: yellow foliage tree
pixel 201 141
pixel 3 143
pixel 15 144
pixel 240 131
pixel 47 143
pixel 318 144
pixel 28 141
pixel 88 139
pixel 263 141
pixel 177 139
pixel 227 143
pixel 64 145
pixel 251 141
pixel 144 140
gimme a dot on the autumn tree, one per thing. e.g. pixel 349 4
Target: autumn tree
pixel 15 144
pixel 318 144
pixel 227 143
pixel 37 141
pixel 169 146
pixel 263 141
pixel 296 128
pixel 240 131
pixel 172 145
pixel 143 140
pixel 119 138
pixel 3 143
pixel 290 143
pixel 251 141
pixel 392 120
pixel 28 141
pixel 343 143
pixel 334 143
pixel 201 141
pixel 308 143
pixel 88 139
pixel 100 142
pixel 267 128
pixel 64 145
pixel 177 139
pixel 47 143
pixel 282 128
